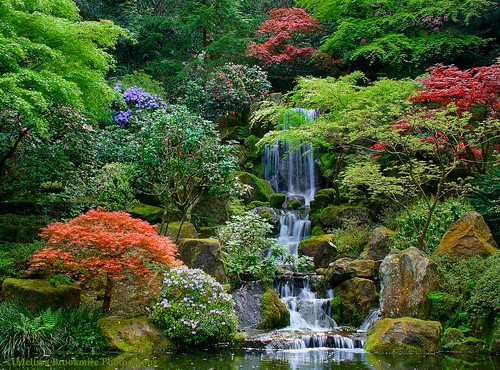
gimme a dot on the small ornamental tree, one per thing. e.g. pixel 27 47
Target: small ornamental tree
pixel 101 247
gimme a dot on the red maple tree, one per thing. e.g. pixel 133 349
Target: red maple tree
pixel 285 29
pixel 475 90
pixel 101 247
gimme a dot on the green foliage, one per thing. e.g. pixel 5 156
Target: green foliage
pixel 485 198
pixel 350 241
pixel 193 309
pixel 25 334
pixel 245 245
pixel 458 279
pixel 14 257
pixel 404 37
pixel 80 331
pixel 445 213
pixel 485 296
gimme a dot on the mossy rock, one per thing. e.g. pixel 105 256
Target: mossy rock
pixel 274 313
pixel 276 200
pixel 452 335
pixel 261 189
pixel 345 313
pixel 19 228
pixel 207 232
pixel 203 254
pixel 404 335
pixel 211 210
pixel 256 203
pixel 329 192
pixel 467 345
pixel 317 231
pixel 188 231
pixel 379 245
pixel 468 236
pixel 39 294
pixel 137 335
pixel 344 216
pixel 320 248
pixel 320 201
pixel 294 205
pixel 360 294
pixel 151 214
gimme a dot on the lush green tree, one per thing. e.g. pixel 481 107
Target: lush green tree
pixel 405 37
pixel 50 59
pixel 181 156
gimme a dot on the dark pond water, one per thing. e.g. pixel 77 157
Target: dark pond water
pixel 222 359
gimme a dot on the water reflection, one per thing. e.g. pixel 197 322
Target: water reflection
pixel 226 359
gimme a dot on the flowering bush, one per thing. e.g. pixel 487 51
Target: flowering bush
pixel 232 88
pixel 133 102
pixel 192 308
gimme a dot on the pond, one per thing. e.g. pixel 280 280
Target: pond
pixel 229 359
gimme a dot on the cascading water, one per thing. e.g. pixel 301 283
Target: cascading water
pixel 294 174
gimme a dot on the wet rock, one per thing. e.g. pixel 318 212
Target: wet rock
pixel 347 268
pixel 260 190
pixel 352 301
pixel 404 335
pixel 379 245
pixel 469 236
pixel 39 294
pixel 137 335
pixel 203 254
pixel 320 248
pixel 342 216
pixel 406 279
pixel 257 306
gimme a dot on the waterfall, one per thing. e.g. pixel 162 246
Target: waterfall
pixel 372 317
pixel 294 173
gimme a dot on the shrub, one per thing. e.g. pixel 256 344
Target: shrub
pixel 446 213
pixel 192 308
pixel 485 296
pixel 25 334
pixel 351 240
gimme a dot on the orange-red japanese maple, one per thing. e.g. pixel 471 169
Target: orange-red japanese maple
pixel 101 247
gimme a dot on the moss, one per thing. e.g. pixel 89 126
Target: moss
pixel 188 230
pixel 404 335
pixel 344 216
pixel 261 189
pixel 40 294
pixel 266 215
pixel 277 200
pixel 344 312
pixel 294 204
pixel 442 305
pixel 137 335
pixel 357 296
pixel 320 248
pixel 151 214
pixel 317 231
pixel 467 345
pixel 256 203
pixel 274 313
pixel 204 254
pixel 320 201
pixel 452 335
pixel 205 232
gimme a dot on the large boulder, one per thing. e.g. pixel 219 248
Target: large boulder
pixel 347 268
pixel 404 335
pixel 352 301
pixel 335 217
pixel 258 306
pixel 406 279
pixel 259 190
pixel 468 236
pixel 137 335
pixel 39 294
pixel 146 212
pixel 320 248
pixel 203 254
pixel 379 245
pixel 211 210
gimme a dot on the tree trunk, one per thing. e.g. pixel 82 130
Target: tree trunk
pixel 106 303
